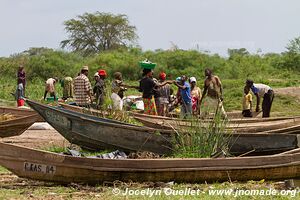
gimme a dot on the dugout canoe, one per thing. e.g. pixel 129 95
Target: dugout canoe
pixel 53 167
pixel 17 125
pixel 166 123
pixel 19 112
pixel 96 133
pixel 140 116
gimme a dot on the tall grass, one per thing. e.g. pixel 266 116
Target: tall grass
pixel 202 137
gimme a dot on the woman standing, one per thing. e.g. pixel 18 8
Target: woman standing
pixel 164 96
pixel 21 75
pixel 196 95
pixel 147 86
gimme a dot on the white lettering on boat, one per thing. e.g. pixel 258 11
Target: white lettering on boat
pixel 39 168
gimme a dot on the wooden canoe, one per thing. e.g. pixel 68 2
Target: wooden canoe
pixel 19 112
pixel 233 126
pixel 52 167
pixel 173 119
pixel 96 133
pixel 18 125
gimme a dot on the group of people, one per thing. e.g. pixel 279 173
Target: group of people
pixel 156 94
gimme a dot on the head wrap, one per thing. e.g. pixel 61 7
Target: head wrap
pixel 162 76
pixel 102 72
pixel 178 79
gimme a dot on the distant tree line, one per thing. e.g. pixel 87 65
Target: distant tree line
pixel 104 40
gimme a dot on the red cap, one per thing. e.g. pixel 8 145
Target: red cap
pixel 162 76
pixel 102 72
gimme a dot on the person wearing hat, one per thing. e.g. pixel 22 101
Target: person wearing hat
pixel 99 88
pixel 186 99
pixel 196 95
pixel 162 101
pixel 147 87
pixel 262 91
pixel 83 88
pixel 50 87
pixel 213 89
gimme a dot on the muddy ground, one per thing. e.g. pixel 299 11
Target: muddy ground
pixel 38 139
pixel 289 91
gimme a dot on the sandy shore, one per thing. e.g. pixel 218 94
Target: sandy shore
pixel 38 139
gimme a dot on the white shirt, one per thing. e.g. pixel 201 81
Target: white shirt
pixel 260 89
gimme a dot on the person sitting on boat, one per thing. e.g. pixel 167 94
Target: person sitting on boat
pixel 83 88
pixel 50 87
pixel 196 95
pixel 262 91
pixel 99 88
pixel 247 103
pixel 67 85
pixel 213 89
pixel 185 92
pixel 147 86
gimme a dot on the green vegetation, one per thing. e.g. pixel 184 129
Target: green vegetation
pixel 202 138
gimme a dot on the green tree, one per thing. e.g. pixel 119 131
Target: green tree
pixel 294 46
pixel 93 33
pixel 239 52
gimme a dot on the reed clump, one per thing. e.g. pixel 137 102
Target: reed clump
pixel 202 137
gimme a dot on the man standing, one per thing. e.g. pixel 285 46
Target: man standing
pixel 83 88
pixel 213 89
pixel 265 91
pixel 185 92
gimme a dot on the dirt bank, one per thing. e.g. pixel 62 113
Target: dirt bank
pixel 38 139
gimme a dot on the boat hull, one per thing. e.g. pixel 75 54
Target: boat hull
pixel 45 166
pixel 95 133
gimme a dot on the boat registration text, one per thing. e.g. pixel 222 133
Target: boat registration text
pixel 39 168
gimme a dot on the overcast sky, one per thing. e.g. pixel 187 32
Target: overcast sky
pixel 213 25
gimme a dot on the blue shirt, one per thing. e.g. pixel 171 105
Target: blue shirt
pixel 186 93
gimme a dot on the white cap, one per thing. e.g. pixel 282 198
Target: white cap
pixel 193 79
pixel 96 74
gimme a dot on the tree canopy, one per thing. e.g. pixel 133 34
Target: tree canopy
pixel 294 46
pixel 93 33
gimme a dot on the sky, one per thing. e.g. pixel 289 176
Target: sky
pixel 206 25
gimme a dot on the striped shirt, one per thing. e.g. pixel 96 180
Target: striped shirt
pixel 82 87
